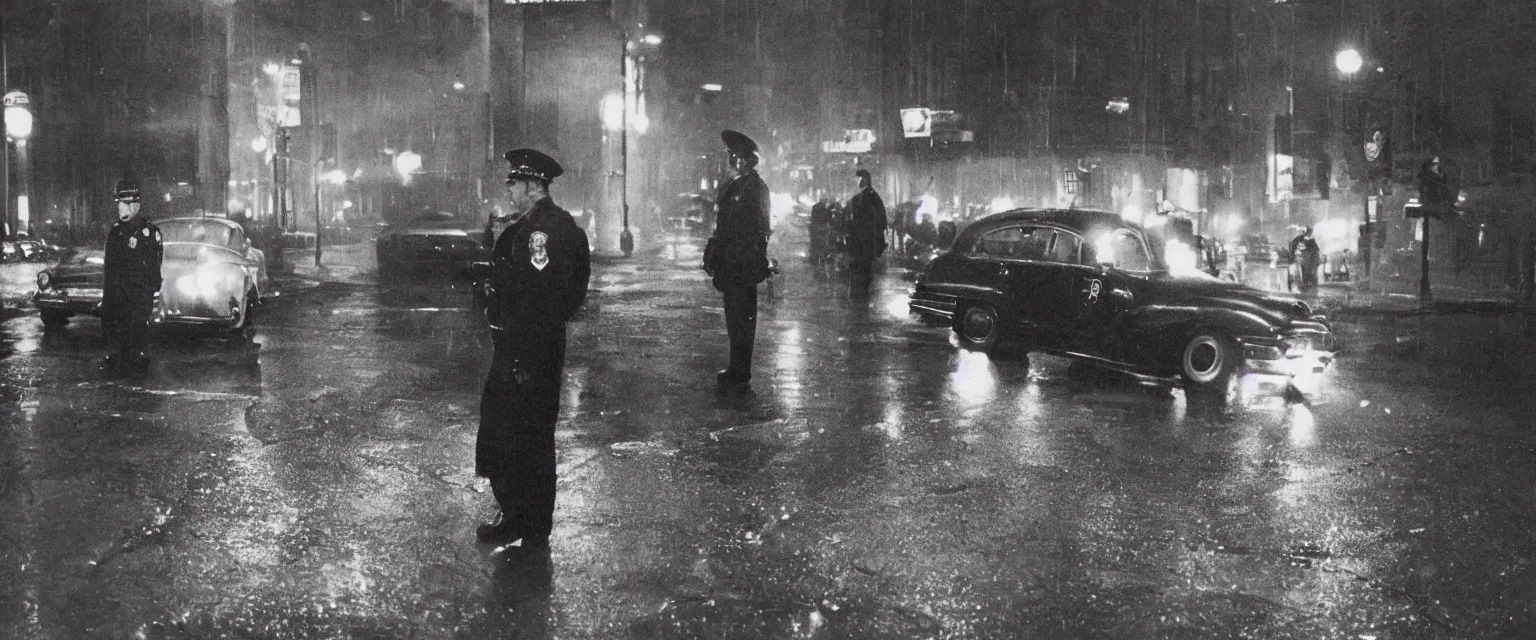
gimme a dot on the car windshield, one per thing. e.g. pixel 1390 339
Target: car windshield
pixel 198 232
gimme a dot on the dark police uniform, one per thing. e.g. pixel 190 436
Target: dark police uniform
pixel 866 230
pixel 132 278
pixel 737 257
pixel 539 271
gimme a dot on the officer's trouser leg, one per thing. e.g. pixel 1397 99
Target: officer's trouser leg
pixel 741 327
pixel 111 331
pixel 540 519
pixel 527 501
pixel 136 333
pixel 505 490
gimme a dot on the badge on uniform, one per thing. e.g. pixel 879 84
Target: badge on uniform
pixel 133 242
pixel 538 256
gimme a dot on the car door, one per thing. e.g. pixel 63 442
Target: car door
pixel 1012 261
pixel 1107 292
pixel 1054 284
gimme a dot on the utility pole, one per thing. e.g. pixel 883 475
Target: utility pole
pixel 1424 295
pixel 5 141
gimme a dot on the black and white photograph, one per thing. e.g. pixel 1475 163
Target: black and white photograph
pixel 767 319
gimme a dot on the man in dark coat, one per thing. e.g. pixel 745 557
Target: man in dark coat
pixel 866 229
pixel 1305 254
pixel 820 231
pixel 539 271
pixel 132 278
pixel 737 255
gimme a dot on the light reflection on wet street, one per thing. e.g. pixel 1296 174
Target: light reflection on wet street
pixel 876 482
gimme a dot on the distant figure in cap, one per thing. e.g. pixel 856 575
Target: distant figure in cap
pixel 132 278
pixel 866 231
pixel 539 271
pixel 736 256
pixel 1307 257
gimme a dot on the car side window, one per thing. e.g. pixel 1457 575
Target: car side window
pixel 1014 243
pixel 1064 247
pixel 1130 253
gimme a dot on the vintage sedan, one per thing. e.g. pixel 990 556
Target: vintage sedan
pixel 430 245
pixel 1091 286
pixel 211 277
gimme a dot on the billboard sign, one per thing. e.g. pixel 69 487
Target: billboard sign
pixel 289 94
pixel 916 122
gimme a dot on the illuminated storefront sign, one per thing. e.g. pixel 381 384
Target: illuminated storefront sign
pixel 854 141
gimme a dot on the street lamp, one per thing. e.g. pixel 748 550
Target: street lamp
pixel 18 127
pixel 407 163
pixel 1348 61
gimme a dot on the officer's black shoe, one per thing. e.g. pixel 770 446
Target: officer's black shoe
pixel 732 378
pixel 503 529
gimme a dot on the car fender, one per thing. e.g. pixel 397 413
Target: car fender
pixel 971 295
pixel 1159 331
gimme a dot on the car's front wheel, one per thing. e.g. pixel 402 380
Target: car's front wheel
pixel 1209 362
pixel 978 328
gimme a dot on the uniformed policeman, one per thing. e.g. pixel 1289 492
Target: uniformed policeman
pixel 866 230
pixel 737 255
pixel 132 278
pixel 539 271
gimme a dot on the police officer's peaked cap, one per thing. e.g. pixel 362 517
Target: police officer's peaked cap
pixel 863 173
pixel 528 164
pixel 127 190
pixel 738 143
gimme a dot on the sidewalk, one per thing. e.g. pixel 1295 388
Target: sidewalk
pixel 1395 297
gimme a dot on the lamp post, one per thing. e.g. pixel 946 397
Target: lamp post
pixel 628 78
pixel 18 127
pixel 1349 62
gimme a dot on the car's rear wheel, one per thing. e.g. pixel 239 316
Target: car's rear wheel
pixel 54 318
pixel 978 328
pixel 1209 362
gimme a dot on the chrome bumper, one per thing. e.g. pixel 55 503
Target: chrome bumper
pixel 1302 349
pixel 76 301
pixel 934 305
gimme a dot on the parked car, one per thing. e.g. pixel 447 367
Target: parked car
pixel 70 288
pixel 211 277
pixel 429 245
pixel 35 250
pixel 1090 286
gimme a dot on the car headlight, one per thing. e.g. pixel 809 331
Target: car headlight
pixel 43 280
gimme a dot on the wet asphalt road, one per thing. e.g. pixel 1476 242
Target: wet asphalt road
pixel 876 483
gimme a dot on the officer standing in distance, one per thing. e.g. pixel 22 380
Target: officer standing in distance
pixel 736 257
pixel 132 278
pixel 866 231
pixel 539 271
